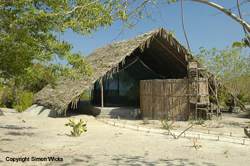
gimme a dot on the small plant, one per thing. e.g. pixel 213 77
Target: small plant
pixel 200 122
pixel 195 145
pixel 77 128
pixel 247 132
pixel 221 134
pixel 166 125
pixel 226 151
pixel 1 113
pixel 145 120
pixel 191 116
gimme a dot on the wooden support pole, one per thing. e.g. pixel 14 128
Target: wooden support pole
pixel 197 91
pixel 65 112
pixel 90 95
pixel 188 97
pixel 102 102
pixel 118 84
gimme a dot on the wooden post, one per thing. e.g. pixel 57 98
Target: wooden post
pixel 95 94
pixel 90 95
pixel 102 102
pixel 197 92
pixel 188 97
pixel 118 84
pixel 216 96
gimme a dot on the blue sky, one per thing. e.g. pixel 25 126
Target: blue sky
pixel 203 27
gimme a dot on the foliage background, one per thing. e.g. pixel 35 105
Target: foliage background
pixel 232 67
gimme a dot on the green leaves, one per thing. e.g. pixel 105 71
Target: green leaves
pixel 28 35
pixel 237 44
pixel 231 66
pixel 169 1
pixel 77 128
pixel 171 32
pixel 29 29
pixel 140 14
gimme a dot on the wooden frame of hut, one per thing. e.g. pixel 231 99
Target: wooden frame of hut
pixel 156 54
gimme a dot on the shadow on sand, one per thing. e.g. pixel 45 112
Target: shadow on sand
pixel 4 151
pixel 13 127
pixel 21 134
pixel 118 160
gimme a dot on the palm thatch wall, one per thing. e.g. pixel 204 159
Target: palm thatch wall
pixel 108 59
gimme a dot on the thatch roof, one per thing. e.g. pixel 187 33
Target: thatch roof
pixel 108 59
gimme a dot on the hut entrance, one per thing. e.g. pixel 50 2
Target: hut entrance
pixel 123 88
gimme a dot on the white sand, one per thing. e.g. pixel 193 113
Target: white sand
pixel 22 135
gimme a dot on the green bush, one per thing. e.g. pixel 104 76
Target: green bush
pixel 25 100
pixel 166 125
pixel 145 120
pixel 85 95
pixel 6 97
pixel 14 98
pixel 1 94
pixel 242 96
pixel 200 122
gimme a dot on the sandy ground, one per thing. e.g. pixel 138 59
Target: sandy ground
pixel 22 135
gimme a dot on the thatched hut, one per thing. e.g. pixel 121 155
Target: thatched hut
pixel 117 71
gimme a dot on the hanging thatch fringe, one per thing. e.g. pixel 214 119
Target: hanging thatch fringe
pixel 148 43
pixel 164 35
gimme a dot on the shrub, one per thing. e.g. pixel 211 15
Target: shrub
pixel 14 98
pixel 4 93
pixel 25 100
pixel 77 128
pixel 165 124
pixel 145 120
pixel 200 122
pixel 85 95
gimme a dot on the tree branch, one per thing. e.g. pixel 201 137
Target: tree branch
pixel 183 25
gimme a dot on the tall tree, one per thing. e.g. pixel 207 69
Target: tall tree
pixel 29 29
